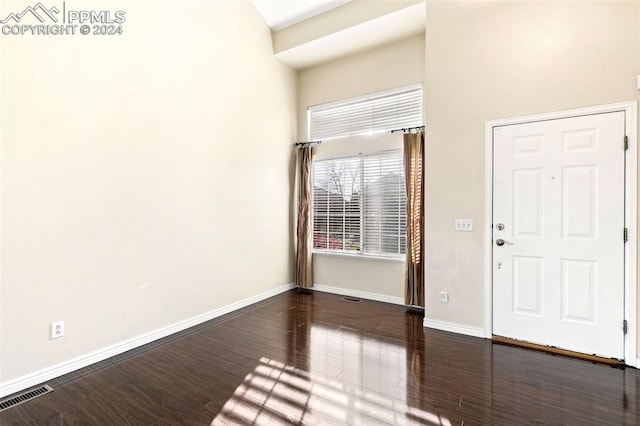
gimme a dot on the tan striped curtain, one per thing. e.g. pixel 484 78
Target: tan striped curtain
pixel 304 267
pixel 414 181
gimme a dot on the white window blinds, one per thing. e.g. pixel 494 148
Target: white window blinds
pixel 359 205
pixel 381 111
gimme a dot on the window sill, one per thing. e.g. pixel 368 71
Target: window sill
pixel 359 256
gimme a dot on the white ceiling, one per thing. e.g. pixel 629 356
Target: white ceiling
pixel 280 14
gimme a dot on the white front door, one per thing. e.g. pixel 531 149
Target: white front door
pixel 558 188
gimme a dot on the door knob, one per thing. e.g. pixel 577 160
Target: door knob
pixel 500 242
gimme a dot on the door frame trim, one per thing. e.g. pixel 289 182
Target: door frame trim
pixel 630 108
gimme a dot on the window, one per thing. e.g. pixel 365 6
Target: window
pixel 376 112
pixel 359 202
pixel 359 205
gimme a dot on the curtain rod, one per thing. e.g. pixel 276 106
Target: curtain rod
pixel 408 129
pixel 307 143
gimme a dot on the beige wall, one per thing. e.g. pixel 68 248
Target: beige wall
pixel 492 60
pixel 143 175
pixel 333 21
pixel 394 65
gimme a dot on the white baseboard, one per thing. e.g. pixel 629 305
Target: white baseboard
pixel 454 328
pixel 74 364
pixel 359 294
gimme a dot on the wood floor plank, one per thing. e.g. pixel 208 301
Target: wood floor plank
pixel 313 358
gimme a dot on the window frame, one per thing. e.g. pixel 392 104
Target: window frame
pixel 360 254
pixel 416 88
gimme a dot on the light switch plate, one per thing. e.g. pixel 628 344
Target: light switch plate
pixel 465 225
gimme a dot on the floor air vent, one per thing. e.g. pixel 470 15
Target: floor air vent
pixel 5 404
pixel 351 299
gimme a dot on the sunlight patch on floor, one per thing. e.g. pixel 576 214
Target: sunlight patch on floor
pixel 278 393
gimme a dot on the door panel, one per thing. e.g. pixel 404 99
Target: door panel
pixel 559 192
pixel 579 201
pixel 527 285
pixel 527 202
pixel 579 290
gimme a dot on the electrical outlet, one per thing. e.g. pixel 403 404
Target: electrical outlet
pixel 280 270
pixel 465 225
pixel 444 297
pixel 57 329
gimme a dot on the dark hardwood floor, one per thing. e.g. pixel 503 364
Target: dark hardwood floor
pixel 312 358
